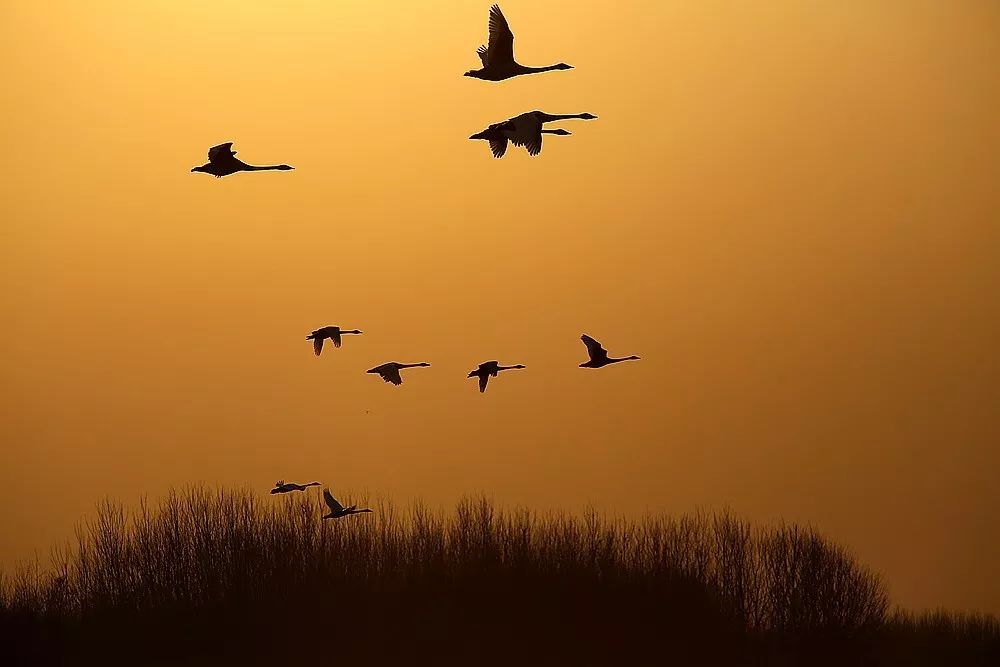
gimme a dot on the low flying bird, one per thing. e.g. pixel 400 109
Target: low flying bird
pixel 333 333
pixel 489 369
pixel 337 510
pixel 499 133
pixel 498 55
pixel 281 487
pixel 598 355
pixel 390 371
pixel 222 161
pixel 524 130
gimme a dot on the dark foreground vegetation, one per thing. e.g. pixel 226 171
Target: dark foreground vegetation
pixel 227 577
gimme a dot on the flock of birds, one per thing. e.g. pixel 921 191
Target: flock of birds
pixel 389 371
pixel 524 130
pixel 497 56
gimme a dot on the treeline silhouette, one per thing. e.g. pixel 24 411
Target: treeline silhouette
pixel 208 576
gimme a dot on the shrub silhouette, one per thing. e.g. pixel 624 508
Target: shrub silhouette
pixel 224 574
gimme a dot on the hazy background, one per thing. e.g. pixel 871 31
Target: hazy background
pixel 789 209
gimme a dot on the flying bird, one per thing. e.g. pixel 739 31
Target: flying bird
pixel 281 487
pixel 333 333
pixel 524 130
pixel 498 55
pixel 390 371
pixel 489 369
pixel 222 161
pixel 337 510
pixel 598 355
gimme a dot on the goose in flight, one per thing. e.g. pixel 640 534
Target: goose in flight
pixel 333 333
pixel 222 161
pixel 498 55
pixel 390 371
pixel 598 355
pixel 489 369
pixel 525 130
pixel 337 510
pixel 281 487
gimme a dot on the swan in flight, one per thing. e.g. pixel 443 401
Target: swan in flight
pixel 333 333
pixel 598 355
pixel 390 371
pixel 499 133
pixel 489 369
pixel 222 161
pixel 525 130
pixel 337 510
pixel 281 487
pixel 498 55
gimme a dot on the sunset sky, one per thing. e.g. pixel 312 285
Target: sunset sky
pixel 789 209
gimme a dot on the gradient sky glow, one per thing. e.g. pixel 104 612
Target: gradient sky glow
pixel 790 209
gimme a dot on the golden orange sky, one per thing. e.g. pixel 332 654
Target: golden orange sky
pixel 789 209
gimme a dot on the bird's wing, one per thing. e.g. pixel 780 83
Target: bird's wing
pixel 335 337
pixel 501 47
pixel 391 374
pixel 483 53
pixel 317 345
pixel 221 152
pixel 594 348
pixel 524 130
pixel 331 502
pixel 483 379
pixel 498 147
pixel 533 143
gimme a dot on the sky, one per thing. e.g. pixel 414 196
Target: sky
pixel 789 209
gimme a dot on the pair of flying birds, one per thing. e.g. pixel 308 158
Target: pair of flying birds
pixel 498 61
pixel 336 509
pixel 390 371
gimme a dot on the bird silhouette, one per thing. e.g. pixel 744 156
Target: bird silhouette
pixel 498 55
pixel 222 161
pixel 337 510
pixel 390 371
pixel 333 333
pixel 524 130
pixel 598 355
pixel 281 487
pixel 489 369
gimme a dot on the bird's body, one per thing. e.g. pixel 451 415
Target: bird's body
pixel 333 333
pixel 598 355
pixel 390 371
pixel 337 510
pixel 282 487
pixel 524 130
pixel 498 55
pixel 222 161
pixel 489 369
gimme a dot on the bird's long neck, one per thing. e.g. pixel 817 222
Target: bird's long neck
pixel 561 116
pixel 535 70
pixel 312 484
pixel 410 365
pixel 613 360
pixel 507 368
pixel 268 167
pixel 551 132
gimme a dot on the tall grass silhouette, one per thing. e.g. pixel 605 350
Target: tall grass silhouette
pixel 225 574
